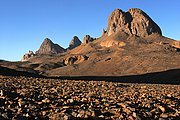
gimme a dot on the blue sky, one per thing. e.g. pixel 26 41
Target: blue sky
pixel 25 23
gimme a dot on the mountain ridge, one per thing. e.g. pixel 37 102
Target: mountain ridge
pixel 132 44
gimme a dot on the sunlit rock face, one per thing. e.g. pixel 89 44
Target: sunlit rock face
pixel 27 56
pixel 48 47
pixel 134 21
pixel 75 42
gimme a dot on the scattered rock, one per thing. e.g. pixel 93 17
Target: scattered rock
pixel 78 99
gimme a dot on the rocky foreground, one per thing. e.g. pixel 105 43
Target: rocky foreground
pixel 37 98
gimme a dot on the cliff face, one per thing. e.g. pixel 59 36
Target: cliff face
pixel 74 43
pixel 27 56
pixel 48 47
pixel 134 21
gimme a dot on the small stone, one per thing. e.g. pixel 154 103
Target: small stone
pixel 4 115
pixel 27 115
pixel 122 105
pixel 70 100
pixel 132 109
pixel 43 113
pixel 79 115
pixel 66 117
pixel 134 114
pixel 74 114
pixel 128 112
pixel 130 118
pixel 164 115
pixel 65 107
pixel 46 100
pixel 162 108
pixel 40 103
pixel 143 87
pixel 169 95
pixel 21 103
pixel 1 93
pixel 101 116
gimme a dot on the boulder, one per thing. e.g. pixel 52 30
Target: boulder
pixel 76 59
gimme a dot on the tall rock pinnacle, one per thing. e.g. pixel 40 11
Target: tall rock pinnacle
pixel 134 21
pixel 48 47
pixel 74 43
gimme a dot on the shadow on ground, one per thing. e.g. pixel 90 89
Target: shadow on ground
pixel 164 77
pixel 11 72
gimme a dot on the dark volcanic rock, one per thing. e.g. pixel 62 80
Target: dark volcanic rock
pixel 134 21
pixel 74 43
pixel 48 47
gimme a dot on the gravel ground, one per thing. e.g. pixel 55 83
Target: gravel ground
pixel 37 98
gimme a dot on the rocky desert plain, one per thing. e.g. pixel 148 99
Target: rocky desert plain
pixel 130 72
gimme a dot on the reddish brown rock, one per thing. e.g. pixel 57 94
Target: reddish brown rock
pixel 104 32
pixel 48 47
pixel 88 39
pixel 134 21
pixel 27 56
pixel 74 43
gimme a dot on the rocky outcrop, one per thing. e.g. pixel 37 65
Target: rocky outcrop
pixel 87 39
pixel 176 44
pixel 134 21
pixel 104 32
pixel 27 56
pixel 48 47
pixel 74 43
pixel 75 59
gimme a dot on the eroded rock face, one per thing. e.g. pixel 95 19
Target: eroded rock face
pixel 134 21
pixel 75 59
pixel 48 47
pixel 104 32
pixel 74 43
pixel 27 56
pixel 88 39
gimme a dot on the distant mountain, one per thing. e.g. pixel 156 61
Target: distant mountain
pixel 132 44
pixel 75 42
pixel 48 47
